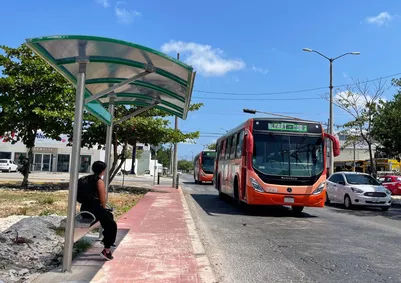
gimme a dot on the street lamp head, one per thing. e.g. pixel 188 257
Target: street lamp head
pixel 355 53
pixel 307 49
pixel 250 111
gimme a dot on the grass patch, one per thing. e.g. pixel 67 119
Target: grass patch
pixel 59 231
pixel 81 246
pixel 36 202
pixel 47 200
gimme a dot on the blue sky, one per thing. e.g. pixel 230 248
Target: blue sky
pixel 242 47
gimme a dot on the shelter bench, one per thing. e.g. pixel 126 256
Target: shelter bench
pixel 84 222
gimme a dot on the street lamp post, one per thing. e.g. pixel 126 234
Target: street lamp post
pixel 331 60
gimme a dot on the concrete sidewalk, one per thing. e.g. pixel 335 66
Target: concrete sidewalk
pixel 156 242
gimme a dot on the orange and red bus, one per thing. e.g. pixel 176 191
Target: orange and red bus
pixel 274 161
pixel 204 166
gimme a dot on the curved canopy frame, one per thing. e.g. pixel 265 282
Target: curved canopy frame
pixel 109 72
pixel 136 69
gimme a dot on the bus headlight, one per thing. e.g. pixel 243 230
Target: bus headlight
pixel 319 189
pixel 256 185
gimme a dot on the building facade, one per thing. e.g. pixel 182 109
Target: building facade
pixel 55 156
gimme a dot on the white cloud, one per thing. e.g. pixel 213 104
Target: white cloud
pixel 260 70
pixel 345 75
pixel 125 16
pixel 206 60
pixel 381 19
pixel 104 3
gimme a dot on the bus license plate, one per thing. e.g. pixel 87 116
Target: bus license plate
pixel 289 200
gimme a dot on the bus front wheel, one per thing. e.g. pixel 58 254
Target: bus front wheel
pixel 297 209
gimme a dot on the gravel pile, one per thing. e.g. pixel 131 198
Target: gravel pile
pixel 29 245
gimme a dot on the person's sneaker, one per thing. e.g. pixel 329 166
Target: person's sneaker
pixel 106 256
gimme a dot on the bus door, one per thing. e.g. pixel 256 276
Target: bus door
pixel 226 164
pixel 241 153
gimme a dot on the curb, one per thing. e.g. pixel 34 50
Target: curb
pixel 205 270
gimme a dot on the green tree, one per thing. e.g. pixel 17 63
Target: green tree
pixel 164 156
pixel 150 127
pixel 184 165
pixel 32 97
pixel 360 102
pixel 387 122
pixel 211 146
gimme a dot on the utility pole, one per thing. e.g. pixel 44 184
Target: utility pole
pixel 354 156
pixel 331 132
pixel 175 157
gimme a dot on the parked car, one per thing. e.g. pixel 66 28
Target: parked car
pixel 392 183
pixel 357 189
pixel 8 165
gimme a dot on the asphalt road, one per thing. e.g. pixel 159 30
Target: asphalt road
pixel 267 244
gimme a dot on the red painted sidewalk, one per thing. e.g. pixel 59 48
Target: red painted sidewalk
pixel 153 244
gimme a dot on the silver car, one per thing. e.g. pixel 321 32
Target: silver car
pixel 357 189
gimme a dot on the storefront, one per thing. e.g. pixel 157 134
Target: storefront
pixel 50 155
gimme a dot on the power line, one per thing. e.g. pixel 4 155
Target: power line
pixel 293 91
pixel 261 99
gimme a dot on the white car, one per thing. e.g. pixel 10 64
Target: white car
pixel 7 165
pixel 352 189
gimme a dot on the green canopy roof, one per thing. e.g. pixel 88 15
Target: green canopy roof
pixel 145 76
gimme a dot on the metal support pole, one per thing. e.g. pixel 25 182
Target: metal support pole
pixel 331 168
pixel 175 157
pixel 155 164
pixel 177 181
pixel 171 160
pixel 107 157
pixel 123 173
pixel 74 174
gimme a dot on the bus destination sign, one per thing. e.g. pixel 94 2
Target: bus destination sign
pixel 290 127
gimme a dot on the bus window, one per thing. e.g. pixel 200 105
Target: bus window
pixel 300 156
pixel 233 146
pixel 223 149
pixel 228 147
pixel 239 144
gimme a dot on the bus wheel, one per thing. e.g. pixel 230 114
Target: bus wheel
pixel 219 188
pixel 297 209
pixel 236 192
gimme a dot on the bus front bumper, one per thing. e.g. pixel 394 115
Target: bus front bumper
pixel 258 198
pixel 206 177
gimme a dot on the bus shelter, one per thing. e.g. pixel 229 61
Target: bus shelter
pixel 108 72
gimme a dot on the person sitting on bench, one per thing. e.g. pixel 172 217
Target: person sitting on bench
pixel 97 206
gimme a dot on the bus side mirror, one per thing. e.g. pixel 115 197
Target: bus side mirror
pixel 336 144
pixel 249 142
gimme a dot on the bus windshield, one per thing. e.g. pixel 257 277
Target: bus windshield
pixel 288 155
pixel 208 162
